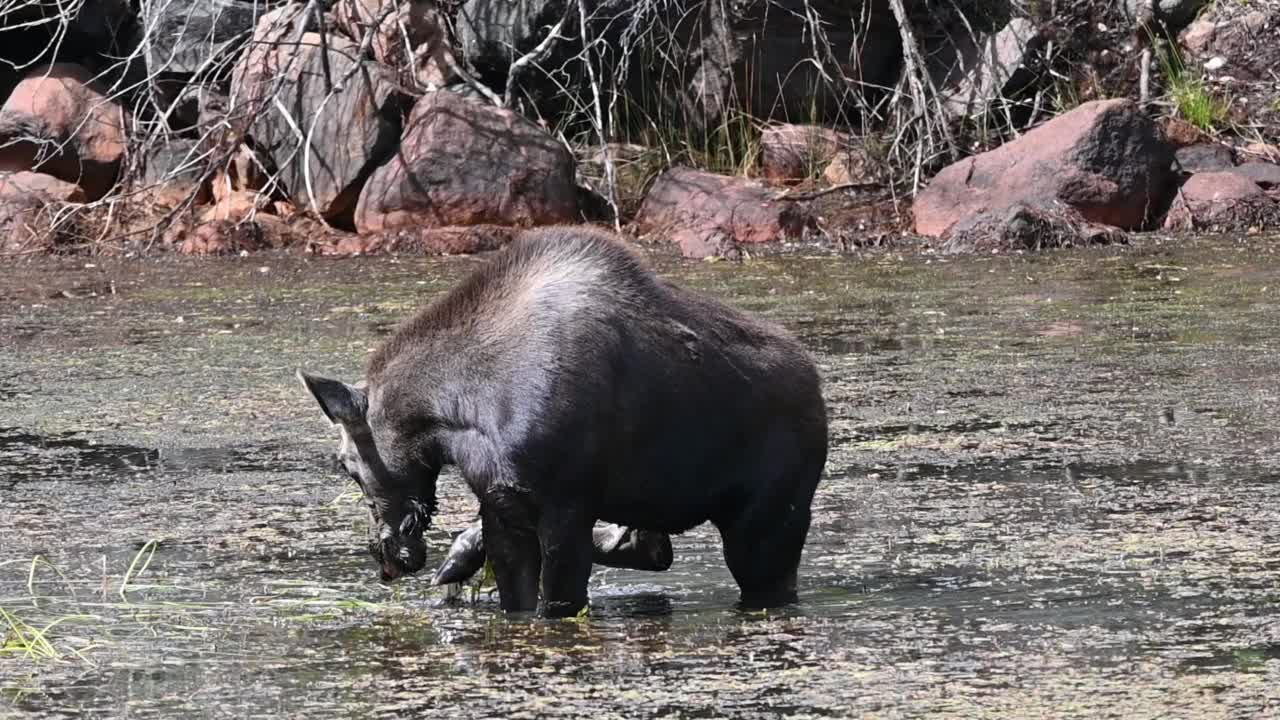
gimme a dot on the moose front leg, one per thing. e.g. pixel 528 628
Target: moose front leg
pixel 564 533
pixel 517 562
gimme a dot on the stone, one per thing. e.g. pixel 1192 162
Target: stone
pixel 28 211
pixel 352 129
pixel 223 237
pixel 1174 15
pixel 60 122
pixel 415 23
pixel 691 59
pixel 999 66
pixel 237 205
pixel 1020 228
pixel 700 243
pixel 1198 38
pixel 1105 159
pixel 1204 157
pixel 1238 47
pixel 1222 201
pixel 1177 14
pixel 38 187
pixel 1265 174
pixel 688 204
pixel 852 164
pixel 191 36
pixel 797 152
pixel 1244 42
pixel 265 60
pixel 424 241
pixel 1265 152
pixel 174 170
pixel 1179 133
pixel 466 163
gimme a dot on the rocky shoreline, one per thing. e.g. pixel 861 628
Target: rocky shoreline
pixel 363 126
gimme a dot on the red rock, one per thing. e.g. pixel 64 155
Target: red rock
pixel 704 242
pixel 1222 201
pixel 237 205
pixel 417 23
pixel 852 164
pixel 797 152
pixel 1198 37
pixel 424 241
pixel 83 132
pixel 1104 159
pixel 467 163
pixel 37 187
pixel 223 237
pixel 27 220
pixel 1179 133
pixel 264 60
pixel 689 204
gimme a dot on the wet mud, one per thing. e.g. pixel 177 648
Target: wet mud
pixel 1053 491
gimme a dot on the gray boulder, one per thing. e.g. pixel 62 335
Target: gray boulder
pixel 324 138
pixel 183 39
pixel 999 65
pixel 1204 157
pixel 1173 14
pixel 691 61
pixel 188 36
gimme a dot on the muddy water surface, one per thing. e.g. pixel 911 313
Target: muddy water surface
pixel 1053 491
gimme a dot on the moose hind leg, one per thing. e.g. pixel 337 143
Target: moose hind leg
pixel 618 546
pixel 763 554
pixel 765 535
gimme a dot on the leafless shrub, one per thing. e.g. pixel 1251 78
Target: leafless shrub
pixel 663 75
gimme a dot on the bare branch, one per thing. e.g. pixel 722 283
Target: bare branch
pixel 536 54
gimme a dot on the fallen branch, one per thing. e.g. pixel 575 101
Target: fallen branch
pixel 815 194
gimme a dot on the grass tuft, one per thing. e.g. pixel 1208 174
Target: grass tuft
pixel 1191 97
pixel 22 638
pixel 1197 104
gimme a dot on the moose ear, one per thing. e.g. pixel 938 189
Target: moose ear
pixel 341 403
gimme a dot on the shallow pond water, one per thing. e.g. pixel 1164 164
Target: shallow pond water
pixel 1053 491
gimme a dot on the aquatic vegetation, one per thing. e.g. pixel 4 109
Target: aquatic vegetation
pixel 31 642
pixel 148 549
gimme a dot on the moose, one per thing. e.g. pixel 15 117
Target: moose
pixel 568 384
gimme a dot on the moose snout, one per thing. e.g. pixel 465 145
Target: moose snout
pixel 400 553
